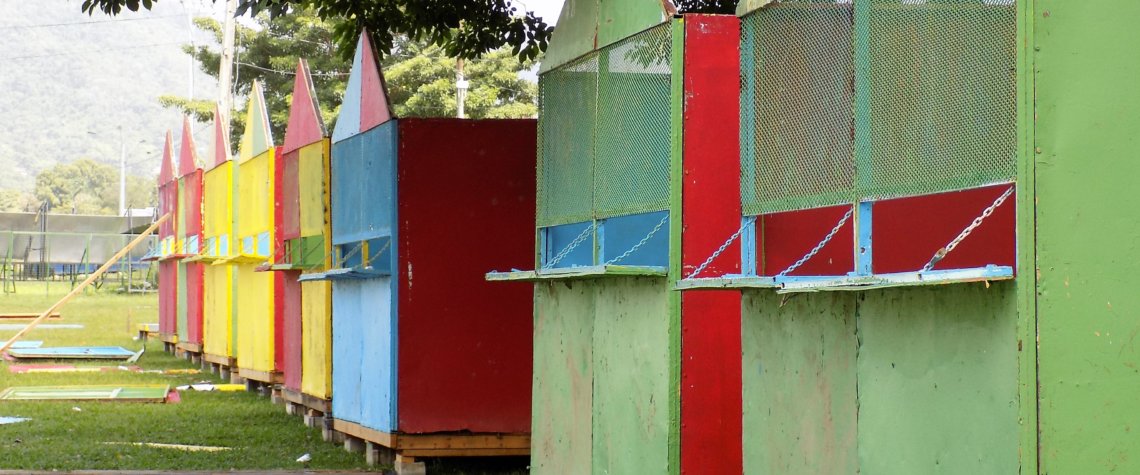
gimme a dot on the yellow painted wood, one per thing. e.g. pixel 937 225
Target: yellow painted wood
pixel 218 285
pixel 311 179
pixel 255 212
pixel 316 336
pixel 256 300
pixel 316 297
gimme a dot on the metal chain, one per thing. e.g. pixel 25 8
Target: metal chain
pixel 818 247
pixel 642 243
pixel 368 260
pixel 704 265
pixel 966 232
pixel 570 247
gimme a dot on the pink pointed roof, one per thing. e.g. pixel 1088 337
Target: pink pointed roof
pixel 187 154
pixel 305 123
pixel 222 151
pixel 166 170
pixel 374 106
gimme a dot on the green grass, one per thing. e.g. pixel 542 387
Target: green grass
pixel 262 436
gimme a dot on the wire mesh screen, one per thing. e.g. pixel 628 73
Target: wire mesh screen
pixel 566 142
pixel 604 132
pixel 800 74
pixel 631 168
pixel 942 95
pixel 875 99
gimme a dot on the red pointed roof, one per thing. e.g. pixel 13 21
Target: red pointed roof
pixel 374 107
pixel 187 154
pixel 305 124
pixel 166 170
pixel 221 136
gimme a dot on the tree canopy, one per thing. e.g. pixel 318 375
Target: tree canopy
pixel 89 187
pixel 420 78
pixel 461 28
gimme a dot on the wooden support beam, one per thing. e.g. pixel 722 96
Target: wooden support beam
pixel 91 278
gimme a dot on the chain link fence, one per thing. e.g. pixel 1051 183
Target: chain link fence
pixel 871 99
pixel 604 147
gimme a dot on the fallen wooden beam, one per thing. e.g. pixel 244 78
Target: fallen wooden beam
pixel 90 278
pixel 18 316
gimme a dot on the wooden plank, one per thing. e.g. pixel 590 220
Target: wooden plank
pixel 262 376
pixel 465 452
pixel 309 401
pixel 361 432
pixel 191 347
pixel 406 442
pixel 218 359
pixel 19 316
pixel 83 285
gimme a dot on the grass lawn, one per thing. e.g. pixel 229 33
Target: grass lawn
pixel 97 437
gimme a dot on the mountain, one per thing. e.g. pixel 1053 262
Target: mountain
pixel 68 81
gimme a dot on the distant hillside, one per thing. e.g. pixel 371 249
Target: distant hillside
pixel 68 81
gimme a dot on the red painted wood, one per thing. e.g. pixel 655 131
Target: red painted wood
pixel 465 205
pixel 278 277
pixel 291 351
pixel 289 223
pixel 221 137
pixel 305 125
pixel 786 237
pixel 711 394
pixel 187 154
pixel 374 107
pixel 167 188
pixel 906 232
pixel 167 298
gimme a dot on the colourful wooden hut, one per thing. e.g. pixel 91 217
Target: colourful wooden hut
pixel 167 235
pixel 256 311
pixel 218 345
pixel 927 235
pixel 428 358
pixel 304 229
pixel 637 179
pixel 189 226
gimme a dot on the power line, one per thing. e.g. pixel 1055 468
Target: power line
pixel 74 23
pixel 108 50
pixel 289 73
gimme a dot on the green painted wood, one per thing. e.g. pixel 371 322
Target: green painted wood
pixel 575 35
pixel 1086 133
pixel 799 383
pixel 676 228
pixel 182 304
pixel 1026 242
pixel 562 390
pixel 937 371
pixel 618 19
pixel 584 272
pixel 632 385
pixel 745 7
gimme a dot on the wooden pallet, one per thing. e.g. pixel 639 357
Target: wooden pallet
pixel 29 316
pixel 189 347
pixel 410 446
pixel 226 361
pixel 309 401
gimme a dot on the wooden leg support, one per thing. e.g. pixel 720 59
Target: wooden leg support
pixel 409 466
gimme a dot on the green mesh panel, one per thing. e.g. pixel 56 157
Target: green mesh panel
pixel 604 128
pixel 566 142
pixel 942 112
pixel 797 147
pixel 631 171
pixel 875 99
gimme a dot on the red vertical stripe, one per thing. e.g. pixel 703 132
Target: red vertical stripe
pixel 711 412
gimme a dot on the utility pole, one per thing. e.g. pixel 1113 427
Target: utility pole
pixel 122 173
pixel 226 69
pixel 461 85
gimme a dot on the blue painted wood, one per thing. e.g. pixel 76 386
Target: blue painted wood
pixel 559 237
pixel 348 122
pixel 378 369
pixel 749 261
pixel 347 348
pixel 625 232
pixel 364 185
pixel 863 219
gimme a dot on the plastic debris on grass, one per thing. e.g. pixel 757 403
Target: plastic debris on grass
pixel 43 326
pixel 12 420
pixel 183 447
pixel 207 386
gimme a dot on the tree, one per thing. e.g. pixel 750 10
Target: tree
pixel 421 83
pixel 89 187
pixel 419 76
pixel 462 28
pixel 17 201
